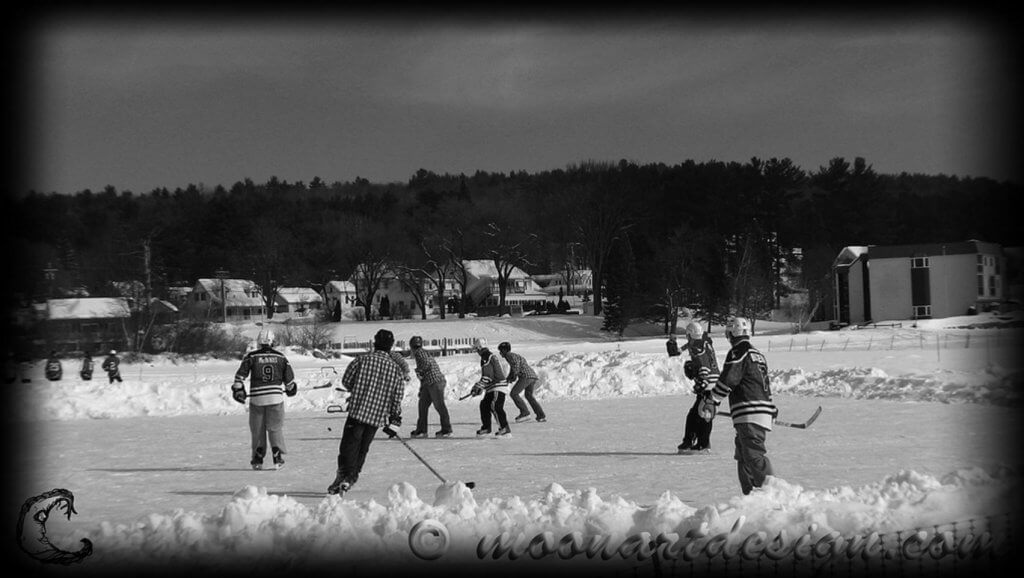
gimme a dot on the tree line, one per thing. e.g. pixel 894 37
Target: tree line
pixel 715 236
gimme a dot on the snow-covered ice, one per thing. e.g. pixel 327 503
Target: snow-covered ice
pixel 916 440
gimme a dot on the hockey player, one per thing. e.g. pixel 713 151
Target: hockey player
pixel 86 371
pixel 493 380
pixel 525 380
pixel 744 380
pixel 54 370
pixel 432 383
pixel 112 365
pixel 376 386
pixel 702 369
pixel 271 379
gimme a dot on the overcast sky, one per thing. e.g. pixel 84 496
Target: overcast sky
pixel 145 103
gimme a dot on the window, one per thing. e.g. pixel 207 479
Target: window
pixel 919 262
pixel 991 286
pixel 922 311
pixel 981 285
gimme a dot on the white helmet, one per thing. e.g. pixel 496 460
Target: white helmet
pixel 694 330
pixel 479 343
pixel 266 337
pixel 736 327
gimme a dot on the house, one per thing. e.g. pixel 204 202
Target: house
pixel 397 299
pixel 482 287
pixel 297 301
pixel 339 297
pixel 87 323
pixel 225 300
pixel 918 281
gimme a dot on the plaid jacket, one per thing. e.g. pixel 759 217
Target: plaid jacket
pixel 518 368
pixel 376 386
pixel 427 369
pixel 403 365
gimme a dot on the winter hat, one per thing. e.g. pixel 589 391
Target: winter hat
pixel 480 343
pixel 505 346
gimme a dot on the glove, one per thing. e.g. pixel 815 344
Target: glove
pixel 238 393
pixel 708 407
pixel 689 369
pixel 477 390
pixel 291 389
pixel 391 433
pixel 396 420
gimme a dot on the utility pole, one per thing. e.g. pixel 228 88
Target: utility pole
pixel 223 274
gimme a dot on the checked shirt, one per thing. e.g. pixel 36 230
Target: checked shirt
pixel 376 385
pixel 427 369
pixel 518 368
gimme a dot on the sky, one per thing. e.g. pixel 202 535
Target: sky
pixel 146 101
pixel 151 486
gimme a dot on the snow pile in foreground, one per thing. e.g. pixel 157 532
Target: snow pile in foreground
pixel 205 389
pixel 255 528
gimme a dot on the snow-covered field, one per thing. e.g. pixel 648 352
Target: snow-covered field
pixel 918 433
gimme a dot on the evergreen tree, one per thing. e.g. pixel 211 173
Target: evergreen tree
pixel 620 288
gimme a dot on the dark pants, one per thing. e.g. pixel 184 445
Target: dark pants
pixel 752 462
pixel 493 401
pixel 525 386
pixel 433 395
pixel 697 431
pixel 355 444
pixel 116 376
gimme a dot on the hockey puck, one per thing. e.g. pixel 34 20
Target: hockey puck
pixel 328 428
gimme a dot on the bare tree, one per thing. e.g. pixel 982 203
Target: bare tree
pixel 509 249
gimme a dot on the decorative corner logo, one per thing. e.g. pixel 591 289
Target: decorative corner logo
pixel 32 538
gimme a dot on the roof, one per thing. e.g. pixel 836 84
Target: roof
pixel 298 295
pixel 480 268
pixel 342 286
pixel 934 249
pixel 849 255
pixel 88 308
pixel 230 285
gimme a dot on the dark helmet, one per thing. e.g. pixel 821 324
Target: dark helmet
pixel 383 340
pixel 504 347
pixel 416 342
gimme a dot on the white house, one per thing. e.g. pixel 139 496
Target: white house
pixel 226 300
pixel 918 281
pixel 483 285
pixel 297 301
pixel 87 324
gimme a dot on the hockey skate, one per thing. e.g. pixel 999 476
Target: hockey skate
pixel 523 417
pixel 542 419
pixel 483 431
pixel 443 434
pixel 418 434
pixel 278 458
pixel 257 459
pixel 339 486
pixel 504 433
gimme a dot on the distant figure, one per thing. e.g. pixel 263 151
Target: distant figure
pixel 54 370
pixel 271 379
pixel 525 379
pixel 432 384
pixel 86 371
pixel 375 383
pixel 494 380
pixel 112 365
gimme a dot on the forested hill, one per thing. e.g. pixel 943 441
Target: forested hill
pixel 675 227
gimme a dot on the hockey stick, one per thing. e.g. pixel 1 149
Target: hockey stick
pixel 803 425
pixel 469 485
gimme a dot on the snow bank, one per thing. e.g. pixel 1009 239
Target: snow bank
pixel 203 388
pixel 256 529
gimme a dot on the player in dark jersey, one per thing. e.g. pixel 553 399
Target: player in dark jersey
pixel 702 368
pixel 744 380
pixel 271 379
